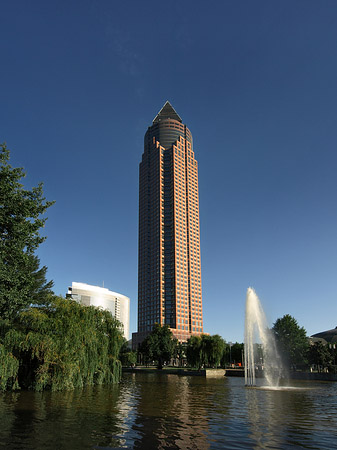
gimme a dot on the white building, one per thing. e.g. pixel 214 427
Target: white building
pixel 117 304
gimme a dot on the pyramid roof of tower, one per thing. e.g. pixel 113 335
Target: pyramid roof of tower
pixel 167 112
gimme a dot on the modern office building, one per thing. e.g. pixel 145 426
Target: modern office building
pixel 117 304
pixel 169 271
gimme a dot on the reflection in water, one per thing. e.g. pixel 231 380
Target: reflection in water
pixel 290 417
pixel 169 415
pixel 158 411
pixel 263 422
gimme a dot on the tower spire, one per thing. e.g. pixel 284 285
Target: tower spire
pixel 167 112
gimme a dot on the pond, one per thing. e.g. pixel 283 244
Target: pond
pixel 159 411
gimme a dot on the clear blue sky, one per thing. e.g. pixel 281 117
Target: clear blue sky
pixel 256 83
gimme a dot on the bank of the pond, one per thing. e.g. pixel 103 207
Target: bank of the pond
pixel 313 376
pixel 217 373
pixel 209 373
pixel 309 376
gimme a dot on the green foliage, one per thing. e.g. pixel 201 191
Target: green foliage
pixel 8 369
pixel 21 280
pixel 237 352
pixel 194 352
pixel 205 350
pixel 145 350
pixel 159 345
pixel 292 341
pixel 180 352
pixel 212 350
pixel 127 357
pixel 60 346
pixel 233 354
pixel 320 355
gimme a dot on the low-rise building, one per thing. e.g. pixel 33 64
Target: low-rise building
pixel 326 337
pixel 117 304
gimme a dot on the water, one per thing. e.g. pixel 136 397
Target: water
pixel 256 330
pixel 155 411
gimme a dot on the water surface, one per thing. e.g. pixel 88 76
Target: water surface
pixel 158 411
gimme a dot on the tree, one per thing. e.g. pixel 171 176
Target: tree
pixel 22 282
pixel 194 352
pixel 63 345
pixel 180 353
pixel 237 352
pixel 205 350
pixel 225 359
pixel 320 355
pixel 212 350
pixel 291 341
pixel 127 357
pixel 145 350
pixel 159 345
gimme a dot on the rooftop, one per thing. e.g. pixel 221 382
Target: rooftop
pixel 329 335
pixel 167 112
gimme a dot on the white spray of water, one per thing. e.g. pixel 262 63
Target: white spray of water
pixel 256 329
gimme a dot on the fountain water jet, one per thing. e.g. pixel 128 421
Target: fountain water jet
pixel 256 329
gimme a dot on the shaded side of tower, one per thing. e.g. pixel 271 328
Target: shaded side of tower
pixel 169 266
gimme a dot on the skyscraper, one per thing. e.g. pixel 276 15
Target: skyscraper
pixel 169 270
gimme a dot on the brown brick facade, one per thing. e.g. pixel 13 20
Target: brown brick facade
pixel 169 268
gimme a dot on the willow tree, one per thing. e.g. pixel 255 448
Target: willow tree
pixel 22 281
pixel 213 349
pixel 64 345
pixel 205 350
pixel 194 352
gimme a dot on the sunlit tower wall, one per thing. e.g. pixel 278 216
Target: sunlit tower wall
pixel 169 266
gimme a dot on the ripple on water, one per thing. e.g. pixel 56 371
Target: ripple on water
pixel 171 412
pixel 281 388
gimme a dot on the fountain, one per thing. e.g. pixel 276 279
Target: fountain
pixel 256 330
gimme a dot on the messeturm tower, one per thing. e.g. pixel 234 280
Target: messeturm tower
pixel 169 270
